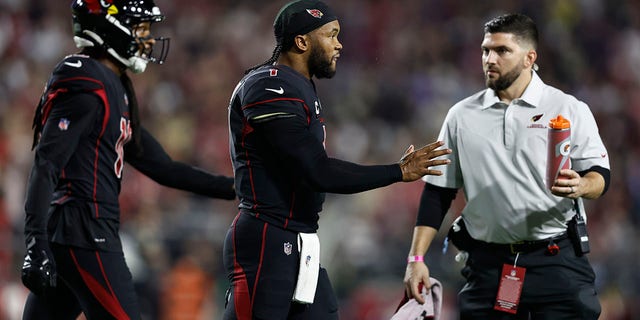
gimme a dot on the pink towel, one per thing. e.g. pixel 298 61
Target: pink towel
pixel 410 309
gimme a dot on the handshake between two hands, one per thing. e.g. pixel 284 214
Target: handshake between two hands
pixel 415 163
pixel 39 268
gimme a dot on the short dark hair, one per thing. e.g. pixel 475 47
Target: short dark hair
pixel 518 24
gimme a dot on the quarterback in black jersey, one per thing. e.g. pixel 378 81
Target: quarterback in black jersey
pixel 85 127
pixel 282 170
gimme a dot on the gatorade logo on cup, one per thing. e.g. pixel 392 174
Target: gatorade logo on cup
pixel 559 148
pixel 563 148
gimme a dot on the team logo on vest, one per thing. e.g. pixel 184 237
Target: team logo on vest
pixel 315 13
pixel 287 248
pixel 535 119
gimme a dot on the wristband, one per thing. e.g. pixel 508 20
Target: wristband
pixel 415 259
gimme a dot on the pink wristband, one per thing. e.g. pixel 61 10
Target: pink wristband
pixel 415 259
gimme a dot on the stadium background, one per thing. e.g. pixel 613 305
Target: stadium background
pixel 403 65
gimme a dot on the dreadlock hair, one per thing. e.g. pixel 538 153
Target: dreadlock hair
pixel 37 120
pixel 134 113
pixel 274 57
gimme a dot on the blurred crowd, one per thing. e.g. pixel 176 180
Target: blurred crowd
pixel 403 65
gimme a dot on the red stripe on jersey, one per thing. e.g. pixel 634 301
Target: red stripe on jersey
pixel 46 109
pixel 293 201
pixel 306 109
pixel 52 95
pixel 105 120
pixel 272 100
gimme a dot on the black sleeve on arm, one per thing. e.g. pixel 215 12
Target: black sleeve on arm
pixel 434 205
pixel 291 138
pixel 54 149
pixel 605 173
pixel 152 160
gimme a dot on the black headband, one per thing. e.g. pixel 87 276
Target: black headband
pixel 300 17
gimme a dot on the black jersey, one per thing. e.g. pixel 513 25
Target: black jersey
pixel 277 136
pixel 72 195
pixel 80 154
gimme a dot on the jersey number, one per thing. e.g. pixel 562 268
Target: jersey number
pixel 125 136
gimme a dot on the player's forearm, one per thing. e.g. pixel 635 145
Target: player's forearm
pixel 338 176
pixel 302 151
pixel 593 184
pixel 185 177
pixel 178 175
pixel 42 182
pixel 154 162
pixel 421 241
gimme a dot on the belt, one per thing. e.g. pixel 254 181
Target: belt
pixel 525 246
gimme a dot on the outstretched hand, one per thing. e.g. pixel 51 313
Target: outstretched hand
pixel 415 164
pixel 39 268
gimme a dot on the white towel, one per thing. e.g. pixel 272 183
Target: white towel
pixel 431 309
pixel 309 246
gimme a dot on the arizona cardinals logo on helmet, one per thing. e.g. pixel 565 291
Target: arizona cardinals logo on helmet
pixel 315 13
pixel 96 6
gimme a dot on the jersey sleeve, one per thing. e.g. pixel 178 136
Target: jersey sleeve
pixel 69 118
pixel 434 205
pixel 151 159
pixel 302 152
pixel 273 98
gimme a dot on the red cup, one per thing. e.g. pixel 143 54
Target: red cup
pixel 559 147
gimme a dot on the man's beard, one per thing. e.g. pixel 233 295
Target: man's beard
pixel 318 65
pixel 505 81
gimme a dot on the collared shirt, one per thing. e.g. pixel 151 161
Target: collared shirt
pixel 500 160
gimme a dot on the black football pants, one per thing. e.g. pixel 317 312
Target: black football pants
pixel 94 282
pixel 262 262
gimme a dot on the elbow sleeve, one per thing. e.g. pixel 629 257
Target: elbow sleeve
pixel 434 205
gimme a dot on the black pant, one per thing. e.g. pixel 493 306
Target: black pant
pixel 262 262
pixel 94 282
pixel 555 286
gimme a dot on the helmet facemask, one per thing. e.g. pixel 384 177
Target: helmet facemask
pixel 114 25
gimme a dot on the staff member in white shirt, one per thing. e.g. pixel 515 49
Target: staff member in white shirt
pixel 521 263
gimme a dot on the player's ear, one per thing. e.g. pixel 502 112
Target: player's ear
pixel 302 42
pixel 530 58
